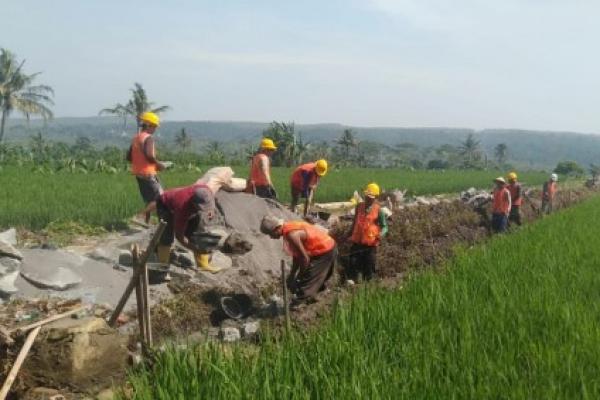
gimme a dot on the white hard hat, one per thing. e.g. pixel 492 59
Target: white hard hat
pixel 554 177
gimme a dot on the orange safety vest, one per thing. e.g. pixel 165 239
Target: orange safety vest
pixel 501 204
pixel 514 188
pixel 257 176
pixel 549 190
pixel 297 179
pixel 366 230
pixel 139 162
pixel 317 241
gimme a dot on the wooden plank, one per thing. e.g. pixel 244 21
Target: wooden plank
pixel 146 296
pixel 18 362
pixel 135 253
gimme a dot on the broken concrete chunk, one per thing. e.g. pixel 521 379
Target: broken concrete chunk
pixel 9 264
pixel 7 284
pixel 8 250
pixel 236 243
pixel 9 236
pixel 230 334
pixel 50 276
pixel 220 261
pixel 125 258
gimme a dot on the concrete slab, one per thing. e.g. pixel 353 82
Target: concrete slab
pixel 9 236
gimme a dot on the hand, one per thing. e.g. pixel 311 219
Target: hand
pixel 305 260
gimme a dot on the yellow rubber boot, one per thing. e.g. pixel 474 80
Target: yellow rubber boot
pixel 163 253
pixel 203 263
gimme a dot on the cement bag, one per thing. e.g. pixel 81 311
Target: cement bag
pixel 216 177
pixel 235 185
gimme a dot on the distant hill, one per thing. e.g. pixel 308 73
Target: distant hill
pixel 536 149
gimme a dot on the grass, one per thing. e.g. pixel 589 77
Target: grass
pixel 33 200
pixel 516 318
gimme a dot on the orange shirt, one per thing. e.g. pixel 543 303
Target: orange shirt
pixel 317 241
pixel 501 203
pixel 257 175
pixel 140 165
pixel 304 177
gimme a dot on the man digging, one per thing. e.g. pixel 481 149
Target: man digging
pixel 186 211
pixel 314 254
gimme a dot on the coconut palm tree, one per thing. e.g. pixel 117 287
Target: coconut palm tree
pixel 183 140
pixel 347 141
pixel 137 105
pixel 17 91
pixel 470 150
pixel 501 153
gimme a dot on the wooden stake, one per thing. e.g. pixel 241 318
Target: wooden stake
pixel 146 296
pixel 136 274
pixel 135 253
pixel 286 309
pixel 18 362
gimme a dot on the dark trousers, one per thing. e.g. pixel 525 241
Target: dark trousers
pixel 168 236
pixel 499 223
pixel 266 192
pixel 150 187
pixel 312 279
pixel 362 262
pixel 546 206
pixel 515 215
pixel 296 196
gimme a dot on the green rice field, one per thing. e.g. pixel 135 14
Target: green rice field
pixel 33 200
pixel 515 318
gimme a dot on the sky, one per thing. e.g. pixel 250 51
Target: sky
pixel 529 64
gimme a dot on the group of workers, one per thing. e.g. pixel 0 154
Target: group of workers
pixel 507 199
pixel 314 252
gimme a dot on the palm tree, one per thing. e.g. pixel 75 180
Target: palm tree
pixel 137 105
pixel 500 151
pixel 183 140
pixel 347 141
pixel 17 91
pixel 284 135
pixel 469 149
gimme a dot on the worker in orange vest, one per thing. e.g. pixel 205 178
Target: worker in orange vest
pixel 260 171
pixel 314 253
pixel 304 182
pixel 548 193
pixel 516 198
pixel 500 206
pixel 368 228
pixel 142 156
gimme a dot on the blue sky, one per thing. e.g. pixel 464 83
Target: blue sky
pixel 530 64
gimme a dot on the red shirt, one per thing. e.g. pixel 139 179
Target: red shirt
pixel 180 201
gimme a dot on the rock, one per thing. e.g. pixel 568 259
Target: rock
pixel 77 353
pixel 185 260
pixel 125 258
pixel 106 394
pixel 9 236
pixel 236 243
pixel 42 393
pixel 9 264
pixel 250 329
pixel 50 276
pixel 230 334
pixel 7 284
pixel 7 250
pixel 220 261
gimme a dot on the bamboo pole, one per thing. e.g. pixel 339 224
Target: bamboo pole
pixel 47 320
pixel 146 296
pixel 18 362
pixel 286 309
pixel 138 293
pixel 136 274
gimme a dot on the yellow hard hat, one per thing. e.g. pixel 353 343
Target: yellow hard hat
pixel 267 144
pixel 372 190
pixel 150 118
pixel 321 167
pixel 512 176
